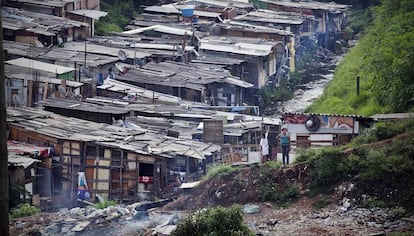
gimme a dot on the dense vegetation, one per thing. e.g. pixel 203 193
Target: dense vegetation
pixel 120 13
pixel 379 162
pixel 384 61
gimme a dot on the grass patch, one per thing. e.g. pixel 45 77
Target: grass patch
pixel 216 170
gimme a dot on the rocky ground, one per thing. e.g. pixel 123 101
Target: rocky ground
pixel 303 219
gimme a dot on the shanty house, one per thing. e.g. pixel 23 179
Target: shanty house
pixel 55 7
pixel 329 17
pixel 24 89
pixel 262 57
pixel 322 130
pixel 40 29
pixel 44 69
pixel 30 168
pixel 193 82
pixel 119 163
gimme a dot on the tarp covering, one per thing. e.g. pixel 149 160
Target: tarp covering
pixel 19 148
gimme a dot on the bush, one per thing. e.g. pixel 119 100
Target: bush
pixel 373 202
pixel 279 194
pixel 105 204
pixel 305 155
pixel 213 221
pixel 24 210
pixel 328 166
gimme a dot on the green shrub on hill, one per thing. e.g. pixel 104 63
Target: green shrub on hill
pixel 380 164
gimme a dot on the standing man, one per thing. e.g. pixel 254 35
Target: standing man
pixel 284 141
pixel 264 147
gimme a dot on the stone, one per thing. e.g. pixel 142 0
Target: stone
pixel 52 229
pixel 272 222
pixel 251 209
pixel 81 226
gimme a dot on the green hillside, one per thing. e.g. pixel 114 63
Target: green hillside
pixel 120 13
pixel 384 61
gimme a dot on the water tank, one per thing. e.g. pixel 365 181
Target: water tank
pixel 187 11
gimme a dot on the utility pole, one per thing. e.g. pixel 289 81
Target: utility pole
pixel 357 85
pixel 4 176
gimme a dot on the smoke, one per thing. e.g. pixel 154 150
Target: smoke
pixel 152 221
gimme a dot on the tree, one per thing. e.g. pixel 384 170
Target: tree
pixel 4 176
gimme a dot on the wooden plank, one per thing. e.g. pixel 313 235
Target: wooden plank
pixel 81 226
pixel 107 153
pixel 146 158
pixel 30 96
pixel 45 89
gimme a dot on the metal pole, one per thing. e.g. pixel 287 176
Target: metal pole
pixel 357 85
pixel 4 176
pixel 85 57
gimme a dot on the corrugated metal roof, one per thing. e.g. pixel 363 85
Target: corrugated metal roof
pixel 159 46
pixel 50 3
pixel 313 5
pixel 254 28
pixel 238 82
pixel 14 160
pixel 166 9
pixel 161 29
pixel 99 49
pixel 42 79
pixel 223 3
pixel 268 16
pixel 232 49
pixel 206 14
pixel 118 86
pixel 140 141
pixel 393 116
pixel 38 65
pixel 94 14
pixel 75 105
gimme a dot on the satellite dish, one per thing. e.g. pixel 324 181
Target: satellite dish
pixel 122 55
pixel 17 101
pixel 312 123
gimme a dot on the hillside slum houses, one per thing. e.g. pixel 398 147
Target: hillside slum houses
pixel 240 133
pixel 119 163
pixel 142 110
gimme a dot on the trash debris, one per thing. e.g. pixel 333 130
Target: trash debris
pixel 251 209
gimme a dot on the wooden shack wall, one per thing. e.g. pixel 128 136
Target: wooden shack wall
pixel 114 173
pixel 72 152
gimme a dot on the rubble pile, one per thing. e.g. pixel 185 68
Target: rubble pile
pixel 113 220
pixel 302 219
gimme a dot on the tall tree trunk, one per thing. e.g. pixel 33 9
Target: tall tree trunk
pixel 4 176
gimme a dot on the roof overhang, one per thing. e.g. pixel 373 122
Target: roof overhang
pixel 94 14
